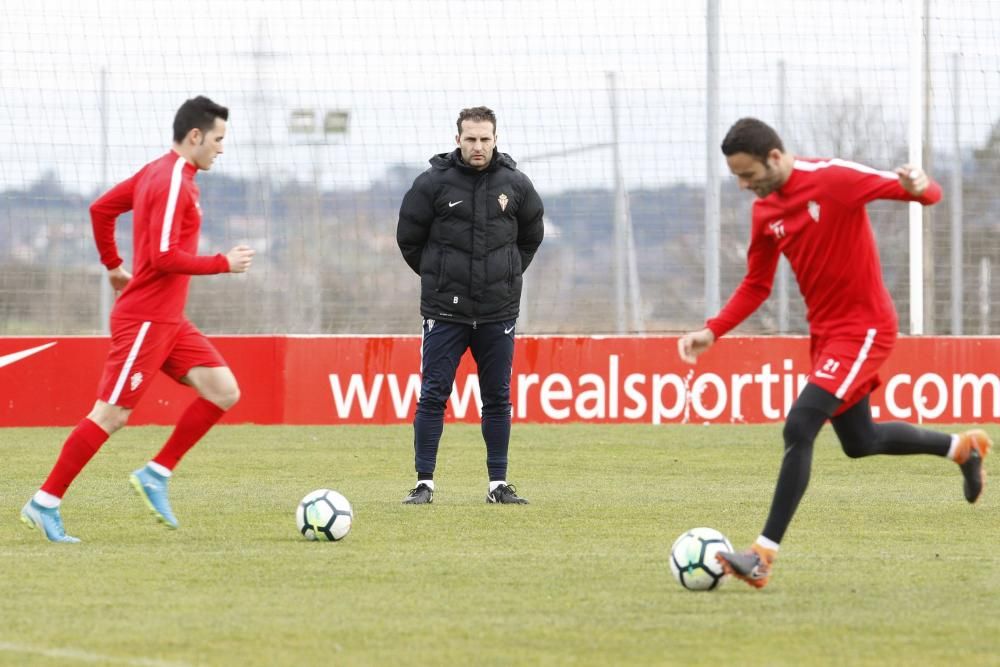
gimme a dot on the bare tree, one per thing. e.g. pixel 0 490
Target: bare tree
pixel 851 127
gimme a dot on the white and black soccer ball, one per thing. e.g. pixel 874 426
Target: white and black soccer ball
pixel 692 558
pixel 324 515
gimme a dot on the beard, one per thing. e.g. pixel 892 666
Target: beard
pixel 770 182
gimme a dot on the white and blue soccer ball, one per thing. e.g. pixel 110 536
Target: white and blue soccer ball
pixel 692 558
pixel 324 515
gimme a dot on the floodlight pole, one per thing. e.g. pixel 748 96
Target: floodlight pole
pixel 260 144
pixel 713 181
pixel 984 295
pixel 618 233
pixel 106 297
pixel 928 213
pixel 628 295
pixel 955 198
pixel 783 268
pixel 916 149
pixel 627 298
pixel 316 132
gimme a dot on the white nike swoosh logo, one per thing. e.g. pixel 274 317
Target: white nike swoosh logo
pixel 8 359
pixel 821 374
pixel 507 331
pixel 452 204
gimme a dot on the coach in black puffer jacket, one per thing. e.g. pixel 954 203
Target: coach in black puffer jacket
pixel 469 226
pixel 470 234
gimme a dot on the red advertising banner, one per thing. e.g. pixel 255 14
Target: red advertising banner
pixel 612 379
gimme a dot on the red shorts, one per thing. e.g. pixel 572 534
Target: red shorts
pixel 139 349
pixel 846 365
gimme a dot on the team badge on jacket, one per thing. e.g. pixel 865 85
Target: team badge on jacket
pixel 502 199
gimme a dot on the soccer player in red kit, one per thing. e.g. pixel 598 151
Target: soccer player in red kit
pixel 813 212
pixel 149 331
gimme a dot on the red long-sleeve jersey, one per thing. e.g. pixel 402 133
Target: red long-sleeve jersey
pixel 817 219
pixel 166 222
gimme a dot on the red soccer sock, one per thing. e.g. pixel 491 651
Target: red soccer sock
pixel 79 448
pixel 200 416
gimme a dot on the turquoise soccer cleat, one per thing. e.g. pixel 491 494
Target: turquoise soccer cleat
pixel 152 488
pixel 47 520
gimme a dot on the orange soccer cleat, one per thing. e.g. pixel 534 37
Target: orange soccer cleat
pixel 752 566
pixel 973 446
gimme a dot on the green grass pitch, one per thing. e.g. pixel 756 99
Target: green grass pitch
pixel 885 563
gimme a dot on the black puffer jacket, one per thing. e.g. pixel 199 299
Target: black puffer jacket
pixel 469 235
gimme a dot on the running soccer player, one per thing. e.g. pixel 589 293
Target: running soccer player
pixel 149 331
pixel 813 212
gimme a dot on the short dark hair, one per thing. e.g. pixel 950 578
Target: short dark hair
pixel 477 114
pixel 751 136
pixel 197 112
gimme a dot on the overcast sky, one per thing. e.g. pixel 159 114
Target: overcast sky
pixel 404 68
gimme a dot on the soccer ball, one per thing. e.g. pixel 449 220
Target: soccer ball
pixel 692 558
pixel 324 515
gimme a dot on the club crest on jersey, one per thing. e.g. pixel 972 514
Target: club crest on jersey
pixel 813 210
pixel 502 200
pixel 135 380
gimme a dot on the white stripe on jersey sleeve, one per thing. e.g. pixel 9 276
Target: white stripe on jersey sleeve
pixel 175 191
pixel 837 162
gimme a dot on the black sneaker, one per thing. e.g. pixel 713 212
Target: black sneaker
pixel 421 495
pixel 974 475
pixel 506 494
pixel 973 446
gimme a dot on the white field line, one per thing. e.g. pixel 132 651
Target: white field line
pixel 85 656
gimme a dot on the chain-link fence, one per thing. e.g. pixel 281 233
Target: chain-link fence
pixel 335 108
